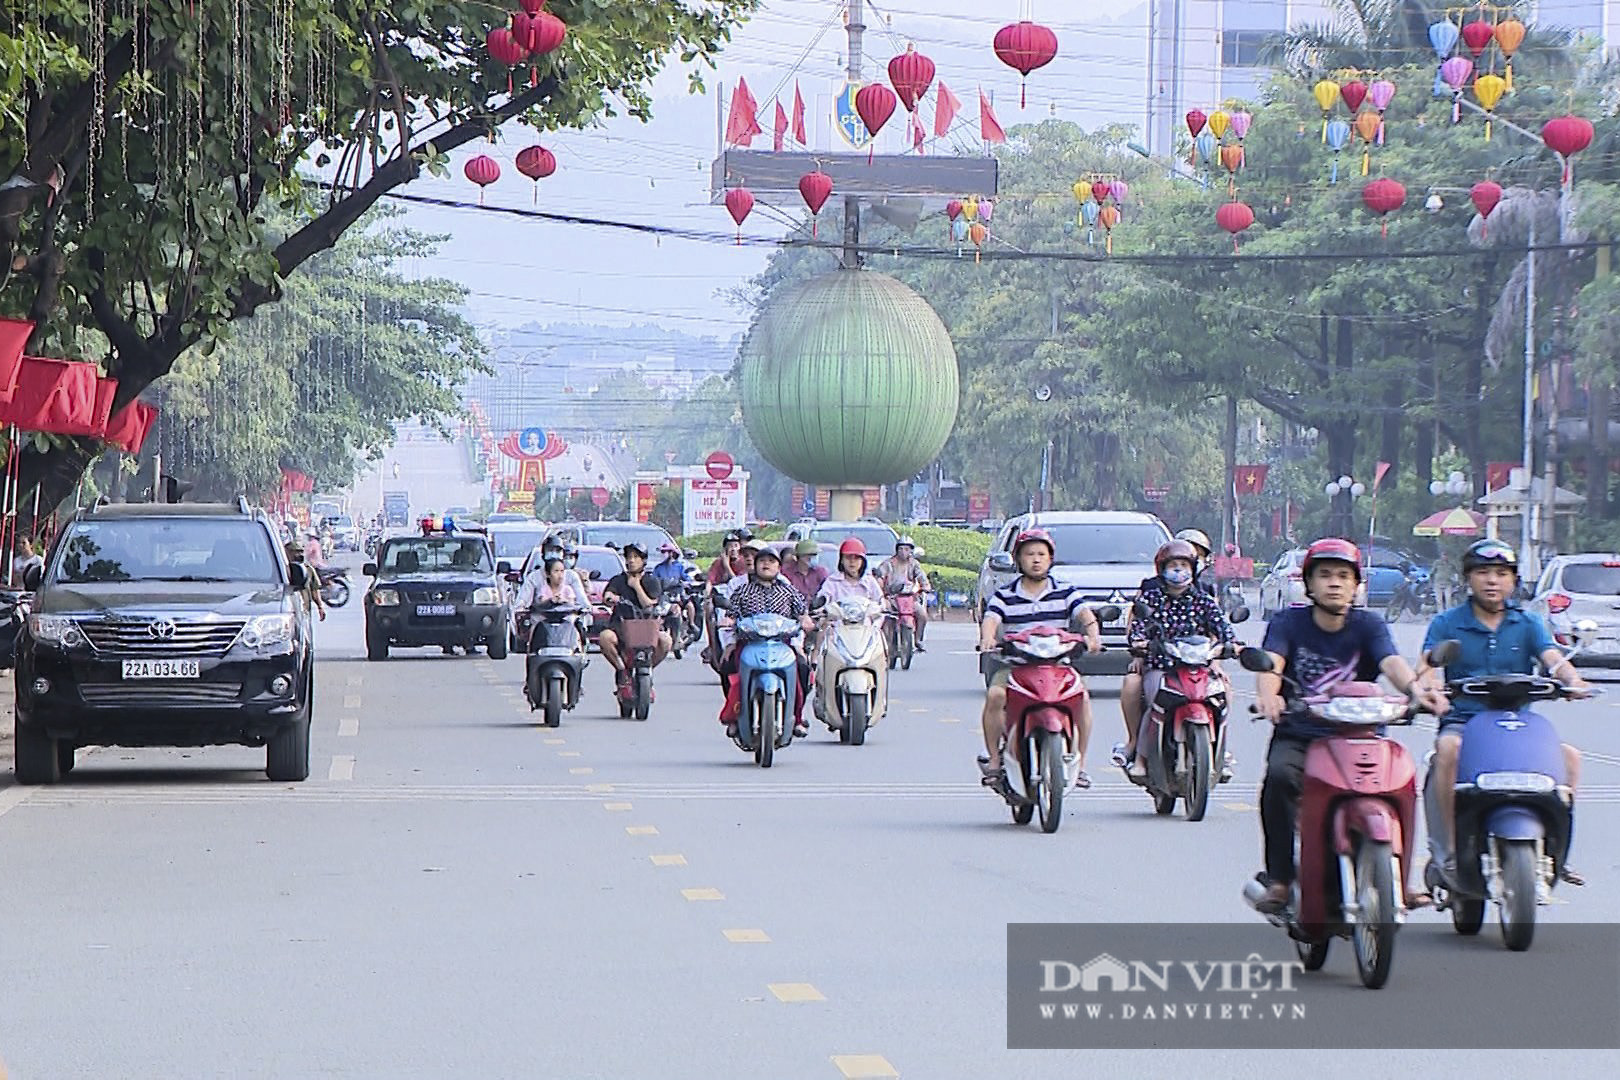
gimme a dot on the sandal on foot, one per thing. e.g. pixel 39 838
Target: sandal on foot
pixel 1275 900
pixel 1569 876
pixel 1419 900
pixel 1118 757
pixel 1081 780
pixel 1138 770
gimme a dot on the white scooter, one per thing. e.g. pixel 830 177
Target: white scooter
pixel 854 670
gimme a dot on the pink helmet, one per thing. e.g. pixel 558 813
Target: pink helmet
pixel 1034 535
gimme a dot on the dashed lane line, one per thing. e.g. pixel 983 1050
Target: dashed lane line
pixel 568 753
pixel 668 860
pixel 641 830
pixel 747 937
pixel 864 1067
pixel 342 767
pixel 581 770
pixel 351 701
pixel 795 993
pixel 555 742
pixel 616 806
pixel 703 894
pixel 348 727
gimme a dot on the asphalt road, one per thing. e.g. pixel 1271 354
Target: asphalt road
pixel 460 892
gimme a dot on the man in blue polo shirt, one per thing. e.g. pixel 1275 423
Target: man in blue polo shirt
pixel 1496 639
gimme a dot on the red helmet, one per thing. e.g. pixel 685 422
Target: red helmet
pixel 1030 536
pixel 852 546
pixel 1331 549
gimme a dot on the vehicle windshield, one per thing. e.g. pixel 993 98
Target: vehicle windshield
pixel 1106 542
pixel 436 555
pixel 515 543
pixel 167 549
pixel 1595 579
pixel 604 562
pixel 619 535
pixel 343 521
pixel 878 539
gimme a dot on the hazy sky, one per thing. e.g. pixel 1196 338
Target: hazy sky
pixel 521 271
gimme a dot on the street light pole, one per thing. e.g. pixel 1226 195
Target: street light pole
pixel 1527 550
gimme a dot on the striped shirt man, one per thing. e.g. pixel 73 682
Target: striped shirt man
pixel 1054 606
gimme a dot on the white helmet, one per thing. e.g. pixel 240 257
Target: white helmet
pixel 1197 539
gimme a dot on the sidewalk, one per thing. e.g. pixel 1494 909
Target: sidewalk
pixel 6 777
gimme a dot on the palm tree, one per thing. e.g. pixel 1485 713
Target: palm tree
pixel 1362 35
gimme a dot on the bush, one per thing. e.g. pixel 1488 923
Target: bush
pixel 962 549
pixel 707 544
pixel 950 578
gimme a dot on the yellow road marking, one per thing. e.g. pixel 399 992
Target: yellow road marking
pixel 795 992
pixel 351 701
pixel 703 894
pixel 746 937
pixel 668 860
pixel 598 787
pixel 950 719
pixel 918 710
pixel 863 1066
pixel 615 806
pixel 555 742
pixel 641 830
pixel 583 770
pixel 348 726
pixel 568 753
pixel 1237 806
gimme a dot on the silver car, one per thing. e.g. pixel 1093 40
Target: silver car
pixel 1284 585
pixel 1578 587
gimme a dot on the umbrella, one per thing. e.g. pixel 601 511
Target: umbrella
pixel 1456 522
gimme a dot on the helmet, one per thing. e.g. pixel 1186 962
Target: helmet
pixel 552 540
pixel 756 546
pixel 732 537
pixel 1331 549
pixel 1197 539
pixel 636 546
pixel 570 548
pixel 807 547
pixel 1031 536
pixel 764 550
pixel 852 546
pixel 668 548
pixel 745 534
pixel 905 541
pixel 1489 553
pixel 1174 549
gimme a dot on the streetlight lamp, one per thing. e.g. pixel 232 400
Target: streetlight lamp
pixel 1351 489
pixel 1454 484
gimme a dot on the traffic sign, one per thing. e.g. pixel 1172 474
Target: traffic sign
pixel 600 497
pixel 719 465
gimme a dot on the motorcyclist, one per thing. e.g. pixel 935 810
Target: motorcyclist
pixel 672 572
pixel 1033 598
pixel 312 580
pixel 1177 607
pixel 903 569
pixel 725 624
pixel 640 590
pixel 730 565
pixel 765 590
pixel 852 580
pixel 804 574
pixel 1497 637
pixel 1318 646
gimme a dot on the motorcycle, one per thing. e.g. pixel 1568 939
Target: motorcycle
pixel 14 608
pixel 1045 694
pixel 1184 755
pixel 638 638
pixel 679 626
pixel 1412 593
pixel 900 625
pixel 852 671
pixel 556 660
pixel 1513 810
pixel 334 585
pixel 1231 598
pixel 1355 826
pixel 767 674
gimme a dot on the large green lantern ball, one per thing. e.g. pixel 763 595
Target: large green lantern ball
pixel 849 380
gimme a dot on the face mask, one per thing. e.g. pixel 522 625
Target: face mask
pixel 1178 576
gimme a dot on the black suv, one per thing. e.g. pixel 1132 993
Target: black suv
pixel 439 588
pixel 165 625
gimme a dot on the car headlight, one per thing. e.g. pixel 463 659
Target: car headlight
pixel 487 595
pixel 56 630
pixel 263 631
pixel 385 597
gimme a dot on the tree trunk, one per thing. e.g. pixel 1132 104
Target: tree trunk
pixel 1597 449
pixel 1424 436
pixel 1394 426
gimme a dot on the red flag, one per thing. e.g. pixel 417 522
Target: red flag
pixel 989 130
pixel 945 109
pixel 798 117
pixel 743 123
pixel 779 129
pixel 1378 474
pixel 1249 479
pixel 1498 474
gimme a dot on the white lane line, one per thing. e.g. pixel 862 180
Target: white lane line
pixel 351 701
pixel 342 767
pixel 12 797
pixel 348 727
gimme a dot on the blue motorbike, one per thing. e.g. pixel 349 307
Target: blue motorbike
pixel 767 680
pixel 1514 811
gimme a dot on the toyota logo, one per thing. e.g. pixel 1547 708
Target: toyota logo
pixel 162 629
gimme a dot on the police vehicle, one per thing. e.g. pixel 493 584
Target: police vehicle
pixel 441 587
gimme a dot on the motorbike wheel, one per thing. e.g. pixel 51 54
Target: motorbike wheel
pixel 1467 915
pixel 891 639
pixel 1163 804
pixel 337 593
pixel 766 710
pixel 1374 932
pixel 643 695
pixel 556 690
pixel 1516 910
pixel 908 645
pixel 855 719
pixel 1049 799
pixel 1200 772
pixel 1394 610
pixel 1312 954
pixel 1023 813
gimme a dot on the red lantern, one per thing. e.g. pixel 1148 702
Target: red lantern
pixel 537 163
pixel 1025 46
pixel 1383 196
pixel 1234 217
pixel 739 201
pixel 911 73
pixel 1476 35
pixel 1354 93
pixel 532 7
pixel 482 170
pixel 875 104
pixel 1485 194
pixel 504 49
pixel 1567 136
pixel 814 187
pixel 545 33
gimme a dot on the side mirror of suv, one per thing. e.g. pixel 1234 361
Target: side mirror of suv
pixel 297 577
pixel 369 570
pixel 503 567
pixel 32 577
pixel 1002 562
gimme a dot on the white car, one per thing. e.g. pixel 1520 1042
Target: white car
pixel 1574 588
pixel 1284 585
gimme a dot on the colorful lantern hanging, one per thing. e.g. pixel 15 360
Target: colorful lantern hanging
pixel 1219 122
pixel 1232 158
pixel 1509 36
pixel 1383 197
pixel 1489 90
pixel 537 163
pixel 953 210
pixel 1240 127
pixel 1326 92
pixel 911 73
pixel 505 50
pixel 814 187
pixel 959 230
pixel 1025 46
pixel 739 201
pixel 1476 35
pixel 1485 195
pixel 987 207
pixel 1353 93
pixel 1567 136
pixel 1108 216
pixel 539 34
pixel 875 104
pixel 970 208
pixel 1205 145
pixel 977 233
pixel 1082 190
pixel 1100 190
pixel 1338 135
pixel 1196 121
pixel 1088 215
pixel 1234 217
pixel 1366 125
pixel 1381 93
pixel 1454 73
pixel 1443 37
pixel 482 170
pixel 1120 190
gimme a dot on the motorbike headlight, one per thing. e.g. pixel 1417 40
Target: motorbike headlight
pixel 1046 646
pixel 486 595
pixel 385 597
pixel 1514 781
pixel 264 631
pixel 56 630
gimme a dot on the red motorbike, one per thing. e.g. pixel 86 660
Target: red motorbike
pixel 1355 830
pixel 1045 693
pixel 900 625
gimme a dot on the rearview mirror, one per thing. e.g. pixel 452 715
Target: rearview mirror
pixel 1585 630
pixel 514 577
pixel 503 567
pixel 1001 562
pixel 690 553
pixel 1239 614
pixel 1444 653
pixel 297 577
pixel 1254 659
pixel 369 570
pixel 721 602
pixel 596 575
pixel 1107 613
pixel 818 603
pixel 1140 610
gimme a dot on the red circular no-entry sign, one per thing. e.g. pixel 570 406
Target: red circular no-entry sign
pixel 719 465
pixel 600 497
